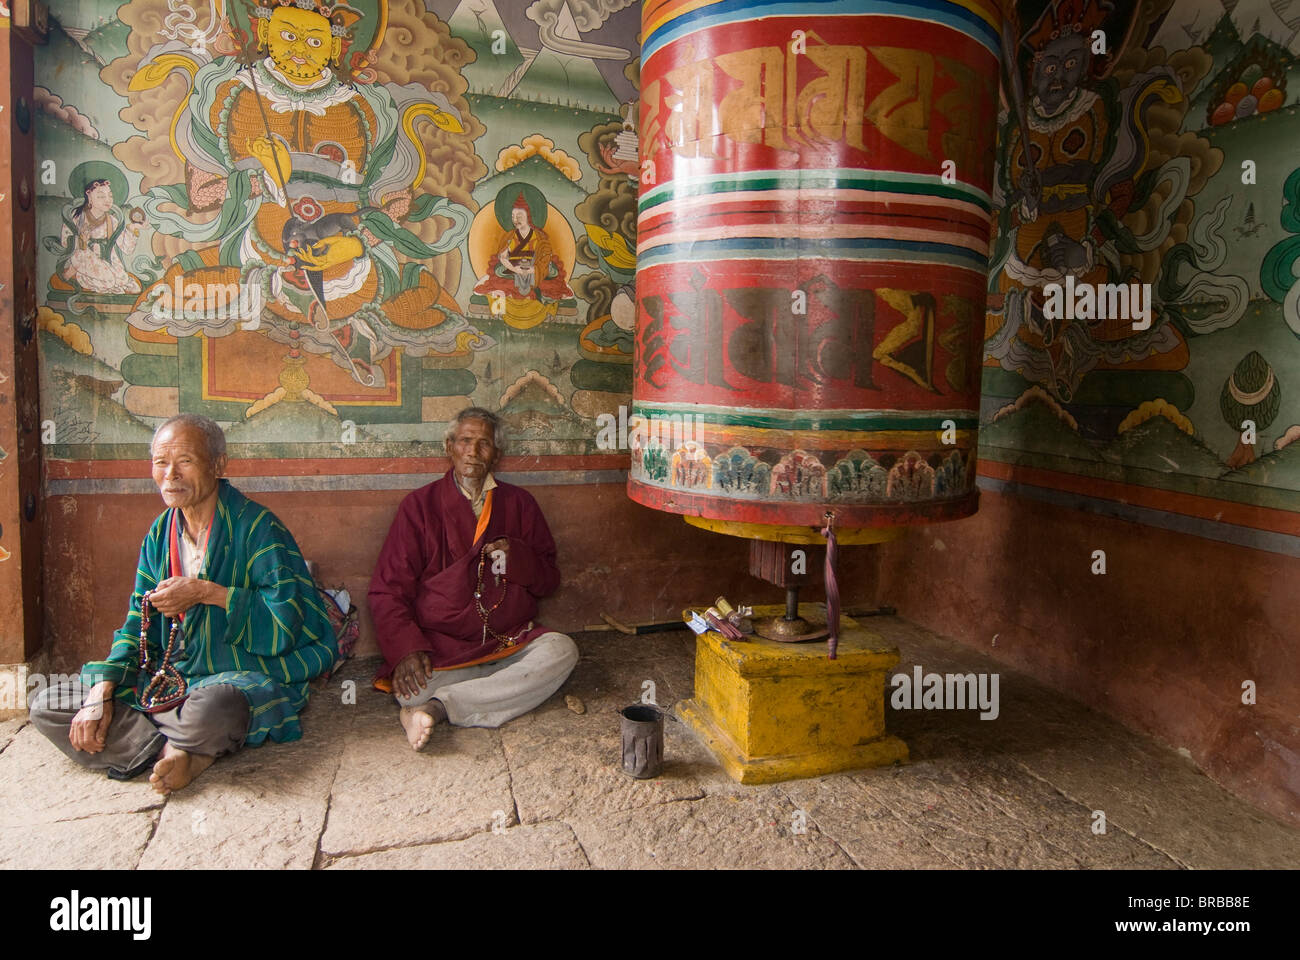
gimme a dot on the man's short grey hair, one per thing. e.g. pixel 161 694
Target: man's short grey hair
pixel 208 427
pixel 479 413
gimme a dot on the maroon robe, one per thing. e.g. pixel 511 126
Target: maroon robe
pixel 422 590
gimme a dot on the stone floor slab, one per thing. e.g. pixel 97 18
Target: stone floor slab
pixel 1153 793
pixel 111 841
pixel 234 817
pixel 875 837
pixel 261 808
pixel 988 815
pixel 631 680
pixel 1144 788
pixel 38 784
pixel 9 729
pixel 545 846
pixel 564 764
pixel 713 833
pixel 386 794
pixel 1018 791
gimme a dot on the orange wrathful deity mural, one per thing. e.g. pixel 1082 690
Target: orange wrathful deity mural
pixel 274 218
pixel 301 189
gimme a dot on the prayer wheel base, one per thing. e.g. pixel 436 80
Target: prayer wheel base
pixel 774 711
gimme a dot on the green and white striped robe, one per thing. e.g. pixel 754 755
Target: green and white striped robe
pixel 272 637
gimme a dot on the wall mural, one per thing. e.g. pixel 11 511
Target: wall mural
pixel 336 223
pixel 1144 307
pixel 307 219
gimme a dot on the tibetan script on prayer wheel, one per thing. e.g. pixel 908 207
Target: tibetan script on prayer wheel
pixel 812 258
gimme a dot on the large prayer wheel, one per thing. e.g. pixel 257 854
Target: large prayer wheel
pixel 812 258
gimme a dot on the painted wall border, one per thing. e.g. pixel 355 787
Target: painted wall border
pixel 1252 538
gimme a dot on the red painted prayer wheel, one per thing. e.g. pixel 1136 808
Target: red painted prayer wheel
pixel 812 259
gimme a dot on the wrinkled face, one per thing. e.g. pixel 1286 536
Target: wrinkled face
pixel 186 476
pixel 298 41
pixel 472 450
pixel 1060 69
pixel 520 217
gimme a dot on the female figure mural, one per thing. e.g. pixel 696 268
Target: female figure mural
pixel 98 236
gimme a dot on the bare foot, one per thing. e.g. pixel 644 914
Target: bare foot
pixel 176 768
pixel 418 724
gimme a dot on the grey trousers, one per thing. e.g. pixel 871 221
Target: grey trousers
pixel 489 694
pixel 212 721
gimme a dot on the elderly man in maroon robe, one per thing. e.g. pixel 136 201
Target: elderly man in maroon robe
pixel 454 594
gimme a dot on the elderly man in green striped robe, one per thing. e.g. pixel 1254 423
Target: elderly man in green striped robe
pixel 250 631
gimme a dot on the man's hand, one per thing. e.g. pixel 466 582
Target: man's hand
pixel 89 730
pixel 502 544
pixel 177 594
pixel 411 673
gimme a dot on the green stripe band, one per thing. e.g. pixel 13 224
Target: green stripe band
pixel 865 421
pixel 875 180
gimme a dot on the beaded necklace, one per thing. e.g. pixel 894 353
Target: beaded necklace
pixel 167 688
pixel 484 612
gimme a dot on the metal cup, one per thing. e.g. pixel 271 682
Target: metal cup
pixel 643 741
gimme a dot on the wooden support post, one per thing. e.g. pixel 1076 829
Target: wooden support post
pixel 21 622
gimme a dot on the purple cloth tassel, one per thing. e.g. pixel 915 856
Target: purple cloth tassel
pixel 832 587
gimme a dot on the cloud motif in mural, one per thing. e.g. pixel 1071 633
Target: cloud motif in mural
pixel 71 334
pixel 589 15
pixel 950 478
pixel 799 476
pixel 561 21
pixel 911 478
pixel 53 104
pixel 1206 251
pixel 857 476
pixel 691 466
pixel 737 470
pixel 1291 436
pixel 1039 394
pixel 540 146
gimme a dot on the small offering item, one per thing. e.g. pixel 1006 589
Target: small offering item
pixel 643 741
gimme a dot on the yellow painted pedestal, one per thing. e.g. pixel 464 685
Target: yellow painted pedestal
pixel 779 711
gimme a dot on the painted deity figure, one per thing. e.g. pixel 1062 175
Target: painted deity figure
pixel 97 237
pixel 526 270
pixel 1076 147
pixel 1054 169
pixel 311 179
